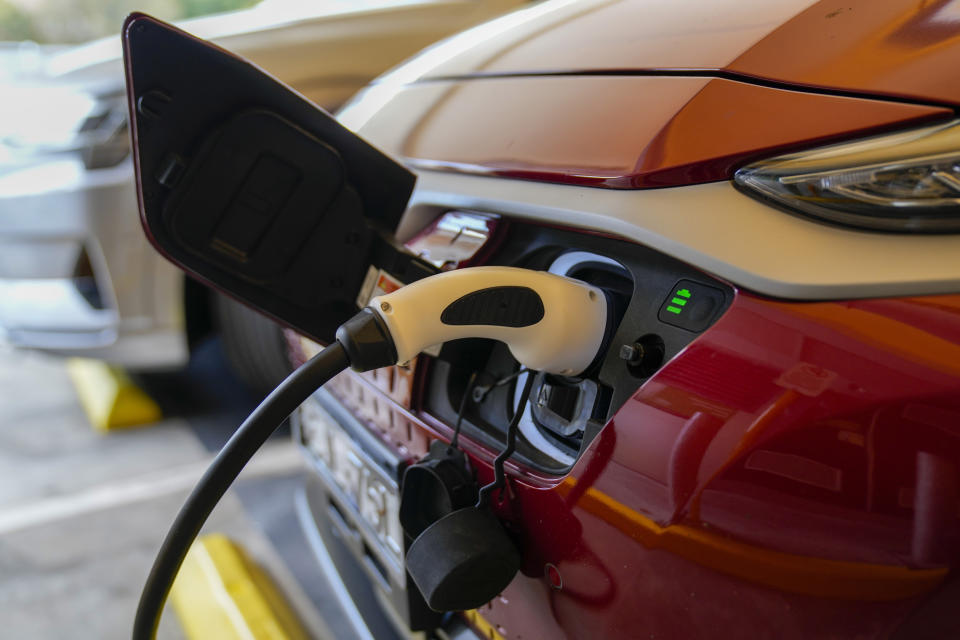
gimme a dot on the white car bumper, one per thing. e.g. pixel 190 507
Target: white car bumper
pixel 77 275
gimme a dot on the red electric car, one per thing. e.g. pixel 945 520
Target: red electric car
pixel 769 446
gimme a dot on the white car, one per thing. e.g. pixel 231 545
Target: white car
pixel 76 273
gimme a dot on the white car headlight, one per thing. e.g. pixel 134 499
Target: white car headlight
pixel 907 181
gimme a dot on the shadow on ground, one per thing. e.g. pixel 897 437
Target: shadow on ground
pixel 206 394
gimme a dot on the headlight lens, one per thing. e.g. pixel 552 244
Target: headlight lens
pixel 908 181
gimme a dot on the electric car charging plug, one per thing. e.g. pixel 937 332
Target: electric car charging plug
pixel 549 322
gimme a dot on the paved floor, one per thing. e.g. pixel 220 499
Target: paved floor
pixel 82 513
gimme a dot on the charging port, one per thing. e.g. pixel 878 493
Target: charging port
pixel 563 406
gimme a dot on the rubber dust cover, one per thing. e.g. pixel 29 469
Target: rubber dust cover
pixel 434 487
pixel 463 560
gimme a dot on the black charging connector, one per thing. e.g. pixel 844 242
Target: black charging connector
pixel 367 341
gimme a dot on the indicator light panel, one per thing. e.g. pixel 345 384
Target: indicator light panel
pixel 691 305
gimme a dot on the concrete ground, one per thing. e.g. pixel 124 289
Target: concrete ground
pixel 82 513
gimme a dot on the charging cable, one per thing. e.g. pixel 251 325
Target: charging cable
pixel 234 455
pixel 549 323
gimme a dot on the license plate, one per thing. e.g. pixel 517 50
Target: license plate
pixel 370 493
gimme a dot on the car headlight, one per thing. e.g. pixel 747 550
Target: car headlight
pixel 907 181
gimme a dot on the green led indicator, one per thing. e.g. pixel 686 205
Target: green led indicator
pixel 682 296
pixel 679 300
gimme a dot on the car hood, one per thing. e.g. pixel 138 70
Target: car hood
pixel 644 93
pixel 898 48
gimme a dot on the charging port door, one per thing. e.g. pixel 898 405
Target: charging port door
pixel 251 188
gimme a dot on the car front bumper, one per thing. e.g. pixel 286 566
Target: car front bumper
pixel 77 275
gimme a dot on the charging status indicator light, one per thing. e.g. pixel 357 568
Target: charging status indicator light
pixel 681 296
pixel 691 305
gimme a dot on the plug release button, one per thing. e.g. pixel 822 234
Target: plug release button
pixel 691 305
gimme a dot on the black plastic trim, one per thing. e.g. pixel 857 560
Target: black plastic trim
pixel 496 306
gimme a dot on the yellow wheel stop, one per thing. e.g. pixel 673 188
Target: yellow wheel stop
pixel 221 594
pixel 110 399
pixel 480 624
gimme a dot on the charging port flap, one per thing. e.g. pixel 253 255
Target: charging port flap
pixel 248 186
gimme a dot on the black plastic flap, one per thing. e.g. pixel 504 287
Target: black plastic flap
pixel 251 188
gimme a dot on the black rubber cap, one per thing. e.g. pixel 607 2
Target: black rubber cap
pixel 463 560
pixel 438 484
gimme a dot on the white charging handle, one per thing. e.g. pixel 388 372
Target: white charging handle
pixel 549 322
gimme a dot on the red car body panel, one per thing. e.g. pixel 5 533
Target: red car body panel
pixel 792 473
pixel 635 132
pixel 640 34
pixel 901 48
pixel 792 469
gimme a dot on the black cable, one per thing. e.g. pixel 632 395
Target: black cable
pixel 472 393
pixel 248 438
pixel 499 478
pixel 463 407
pixel 480 392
